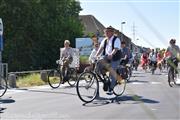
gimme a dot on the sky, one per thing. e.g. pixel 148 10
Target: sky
pixel 149 23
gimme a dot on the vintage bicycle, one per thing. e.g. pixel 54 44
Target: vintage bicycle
pixel 88 84
pixel 57 76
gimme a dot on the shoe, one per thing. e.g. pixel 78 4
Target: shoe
pixel 64 80
pixel 105 87
pixel 109 93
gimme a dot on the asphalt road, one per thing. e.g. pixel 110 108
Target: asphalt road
pixel 146 97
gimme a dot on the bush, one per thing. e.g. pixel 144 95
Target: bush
pixel 30 80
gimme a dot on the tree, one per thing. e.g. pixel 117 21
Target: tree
pixel 34 30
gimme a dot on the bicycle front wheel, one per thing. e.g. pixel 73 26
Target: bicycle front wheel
pixel 171 77
pixel 72 77
pixel 3 86
pixel 87 87
pixel 54 78
pixel 120 87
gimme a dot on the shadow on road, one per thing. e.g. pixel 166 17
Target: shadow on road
pixel 126 99
pixel 2 109
pixel 53 91
pixel 138 76
pixel 4 101
pixel 137 81
pixel 135 99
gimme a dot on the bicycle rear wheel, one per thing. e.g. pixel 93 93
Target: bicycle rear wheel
pixel 129 74
pixel 54 78
pixel 120 87
pixel 72 77
pixel 87 87
pixel 171 77
pixel 3 86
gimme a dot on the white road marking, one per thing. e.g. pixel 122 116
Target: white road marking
pixel 155 82
pixel 137 83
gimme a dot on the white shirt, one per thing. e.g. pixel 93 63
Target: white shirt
pixel 108 49
pixel 92 56
pixel 66 52
pixel 152 57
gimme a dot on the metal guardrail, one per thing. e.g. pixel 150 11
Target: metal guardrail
pixel 13 76
pixel 27 72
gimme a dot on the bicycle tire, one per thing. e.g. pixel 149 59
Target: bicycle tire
pixel 171 80
pixel 129 74
pixel 120 87
pixel 3 86
pixel 87 87
pixel 54 78
pixel 72 77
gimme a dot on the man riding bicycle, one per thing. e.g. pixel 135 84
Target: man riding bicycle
pixel 110 46
pixel 153 59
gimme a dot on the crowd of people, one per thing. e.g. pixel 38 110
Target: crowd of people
pixel 161 58
pixel 115 51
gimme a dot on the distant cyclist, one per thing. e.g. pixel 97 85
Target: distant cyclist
pixel 172 53
pixel 125 53
pixel 153 59
pixel 66 53
pixel 92 57
pixel 66 57
pixel 159 60
pixel 144 60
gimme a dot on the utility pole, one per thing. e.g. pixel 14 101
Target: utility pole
pixel 122 30
pixel 134 36
pixel 1 44
pixel 134 33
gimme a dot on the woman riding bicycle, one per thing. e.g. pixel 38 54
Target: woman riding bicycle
pixel 144 60
pixel 66 57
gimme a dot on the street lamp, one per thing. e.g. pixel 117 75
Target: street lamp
pixel 137 40
pixel 122 30
pixel 122 26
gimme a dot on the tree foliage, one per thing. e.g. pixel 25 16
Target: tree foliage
pixel 34 30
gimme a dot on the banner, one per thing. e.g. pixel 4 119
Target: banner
pixel 85 46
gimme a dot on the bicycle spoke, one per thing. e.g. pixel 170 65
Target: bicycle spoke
pixel 119 88
pixel 72 77
pixel 54 79
pixel 87 87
